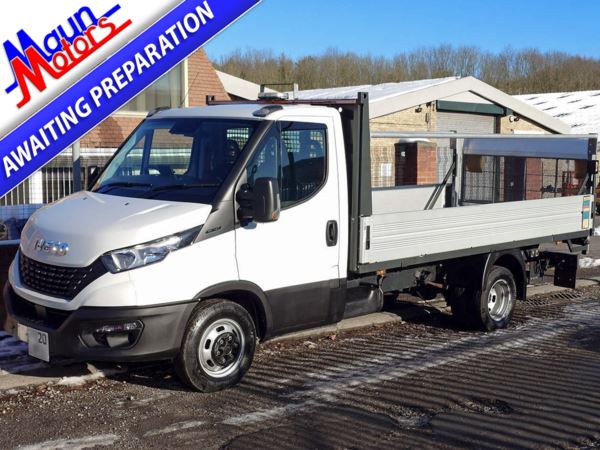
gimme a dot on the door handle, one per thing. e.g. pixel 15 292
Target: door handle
pixel 331 233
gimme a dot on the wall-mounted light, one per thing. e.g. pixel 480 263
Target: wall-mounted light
pixel 419 109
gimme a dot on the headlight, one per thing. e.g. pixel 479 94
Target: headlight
pixel 148 253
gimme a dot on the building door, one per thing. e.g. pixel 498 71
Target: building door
pixel 479 185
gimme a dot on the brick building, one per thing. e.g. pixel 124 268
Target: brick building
pixel 186 85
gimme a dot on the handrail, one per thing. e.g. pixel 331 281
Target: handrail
pixel 449 135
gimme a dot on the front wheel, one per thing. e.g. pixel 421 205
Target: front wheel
pixel 218 346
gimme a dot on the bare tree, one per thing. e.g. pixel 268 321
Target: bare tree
pixel 513 71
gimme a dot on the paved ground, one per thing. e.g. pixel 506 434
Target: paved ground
pixel 421 384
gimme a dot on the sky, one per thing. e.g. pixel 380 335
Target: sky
pixel 385 27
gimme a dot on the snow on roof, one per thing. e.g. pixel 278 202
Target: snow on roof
pixel 580 110
pixel 376 92
pixel 389 98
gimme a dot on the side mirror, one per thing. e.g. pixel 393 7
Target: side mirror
pixel 261 204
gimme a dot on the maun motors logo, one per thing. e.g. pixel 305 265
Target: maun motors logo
pixel 60 51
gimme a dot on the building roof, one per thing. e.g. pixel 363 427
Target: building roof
pixel 389 98
pixel 377 92
pixel 239 87
pixel 580 110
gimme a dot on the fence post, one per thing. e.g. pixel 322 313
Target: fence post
pixel 76 151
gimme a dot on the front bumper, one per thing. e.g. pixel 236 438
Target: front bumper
pixel 68 331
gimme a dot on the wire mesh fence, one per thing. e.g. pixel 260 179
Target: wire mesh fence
pixel 497 179
pixel 51 183
pixel 409 162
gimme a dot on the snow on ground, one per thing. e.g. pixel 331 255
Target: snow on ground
pixel 588 263
pixel 75 444
pixel 175 427
pixel 15 360
pixel 95 375
pixel 11 346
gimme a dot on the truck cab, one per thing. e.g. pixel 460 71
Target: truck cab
pixel 245 203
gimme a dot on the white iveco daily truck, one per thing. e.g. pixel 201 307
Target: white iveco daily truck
pixel 214 227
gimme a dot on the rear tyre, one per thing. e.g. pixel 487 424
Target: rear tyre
pixel 498 300
pixel 488 309
pixel 458 298
pixel 218 346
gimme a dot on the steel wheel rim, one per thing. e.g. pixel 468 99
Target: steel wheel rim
pixel 499 300
pixel 221 348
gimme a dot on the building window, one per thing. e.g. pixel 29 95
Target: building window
pixel 167 91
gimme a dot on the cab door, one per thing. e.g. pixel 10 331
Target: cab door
pixel 295 260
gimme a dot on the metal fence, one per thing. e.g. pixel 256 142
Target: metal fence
pixel 54 181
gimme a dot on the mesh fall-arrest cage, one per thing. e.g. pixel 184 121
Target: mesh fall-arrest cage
pixel 504 170
pixel 484 169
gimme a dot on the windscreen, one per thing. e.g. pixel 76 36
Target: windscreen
pixel 184 159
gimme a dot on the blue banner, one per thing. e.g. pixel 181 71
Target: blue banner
pixel 112 84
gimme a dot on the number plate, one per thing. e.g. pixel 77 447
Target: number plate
pixel 39 344
pixel 22 331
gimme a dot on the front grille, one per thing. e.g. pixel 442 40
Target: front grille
pixel 57 281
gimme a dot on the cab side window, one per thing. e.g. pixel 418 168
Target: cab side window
pixel 265 162
pixel 296 155
pixel 303 161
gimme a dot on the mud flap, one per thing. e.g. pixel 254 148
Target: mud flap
pixel 565 268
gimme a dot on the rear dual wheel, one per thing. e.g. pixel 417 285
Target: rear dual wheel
pixel 490 308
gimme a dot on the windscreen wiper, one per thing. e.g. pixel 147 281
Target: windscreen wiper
pixel 123 184
pixel 168 187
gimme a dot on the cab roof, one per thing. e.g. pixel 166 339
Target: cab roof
pixel 233 110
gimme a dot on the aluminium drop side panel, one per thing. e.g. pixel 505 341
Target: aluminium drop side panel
pixel 404 235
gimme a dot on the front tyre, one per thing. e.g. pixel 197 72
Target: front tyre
pixel 218 346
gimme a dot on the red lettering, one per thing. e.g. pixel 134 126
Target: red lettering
pixel 105 23
pixel 34 75
pixel 62 62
